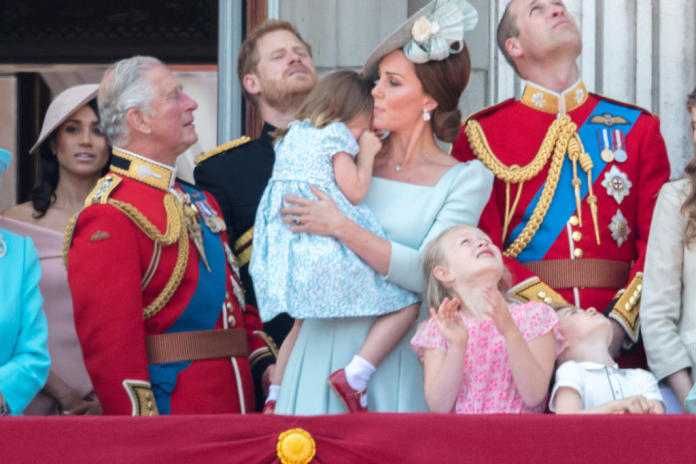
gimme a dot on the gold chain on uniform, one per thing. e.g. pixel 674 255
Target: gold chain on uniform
pixel 176 231
pixel 175 223
pixel 560 134
pixel 174 280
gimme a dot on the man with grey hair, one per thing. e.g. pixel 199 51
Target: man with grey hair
pixel 577 175
pixel 159 309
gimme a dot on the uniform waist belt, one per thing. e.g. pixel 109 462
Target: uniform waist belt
pixel 192 346
pixel 581 273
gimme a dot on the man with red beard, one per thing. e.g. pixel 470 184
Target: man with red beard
pixel 276 73
pixel 576 175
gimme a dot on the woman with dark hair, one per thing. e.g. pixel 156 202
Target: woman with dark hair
pixel 73 155
pixel 417 191
pixel 668 303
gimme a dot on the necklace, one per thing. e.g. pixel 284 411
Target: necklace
pixel 397 167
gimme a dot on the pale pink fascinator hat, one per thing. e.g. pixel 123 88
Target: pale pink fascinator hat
pixel 62 107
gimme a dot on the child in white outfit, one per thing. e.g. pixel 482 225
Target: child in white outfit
pixel 588 380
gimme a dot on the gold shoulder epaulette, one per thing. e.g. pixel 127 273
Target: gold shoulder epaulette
pixel 224 147
pixel 100 193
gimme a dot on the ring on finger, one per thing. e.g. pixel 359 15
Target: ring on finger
pixel 296 220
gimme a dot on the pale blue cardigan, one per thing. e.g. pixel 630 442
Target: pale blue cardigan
pixel 24 360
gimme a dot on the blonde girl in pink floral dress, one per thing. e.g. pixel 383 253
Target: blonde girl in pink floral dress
pixel 480 353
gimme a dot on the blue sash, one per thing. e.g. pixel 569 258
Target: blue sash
pixel 201 313
pixel 563 203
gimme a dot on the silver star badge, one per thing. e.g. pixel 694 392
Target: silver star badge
pixel 619 228
pixel 617 184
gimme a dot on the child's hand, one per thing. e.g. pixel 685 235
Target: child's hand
pixel 497 309
pixel 632 405
pixel 450 323
pixel 655 407
pixel 369 143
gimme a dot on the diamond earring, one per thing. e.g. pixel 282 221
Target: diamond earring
pixel 426 115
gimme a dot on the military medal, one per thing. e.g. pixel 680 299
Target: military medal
pixel 194 229
pixel 209 215
pixel 619 145
pixel 619 228
pixel 3 247
pixel 617 184
pixel 605 146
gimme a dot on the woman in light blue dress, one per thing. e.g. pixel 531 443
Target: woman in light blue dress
pixel 24 360
pixel 416 192
pixel 310 276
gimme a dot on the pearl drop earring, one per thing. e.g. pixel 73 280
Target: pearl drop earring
pixel 426 115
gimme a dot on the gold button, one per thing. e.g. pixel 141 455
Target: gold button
pixel 639 287
pixel 577 236
pixel 632 300
pixel 541 295
pixel 231 321
pixel 574 221
pixel 149 405
pixel 627 306
pixel 548 300
pixel 578 252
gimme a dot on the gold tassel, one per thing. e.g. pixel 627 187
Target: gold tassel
pixel 574 154
pixel 586 163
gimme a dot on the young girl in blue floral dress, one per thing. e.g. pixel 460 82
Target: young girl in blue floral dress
pixel 329 145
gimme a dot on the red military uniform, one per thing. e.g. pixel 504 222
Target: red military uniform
pixel 163 326
pixel 591 256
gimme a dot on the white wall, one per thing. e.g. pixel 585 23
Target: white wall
pixel 638 51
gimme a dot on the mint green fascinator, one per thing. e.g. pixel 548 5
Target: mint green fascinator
pixel 440 33
pixel 432 33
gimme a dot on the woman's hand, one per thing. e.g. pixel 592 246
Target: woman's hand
pixel 72 404
pixel 319 217
pixel 450 323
